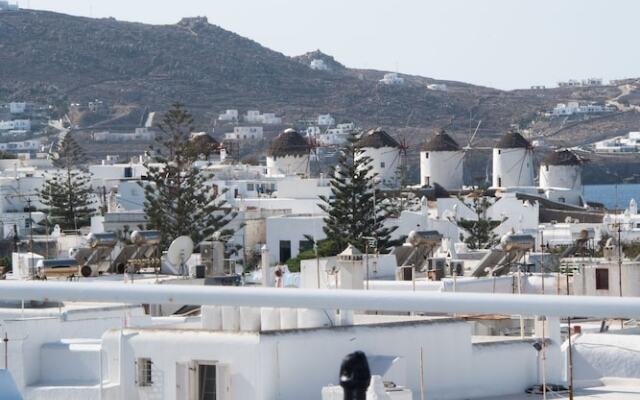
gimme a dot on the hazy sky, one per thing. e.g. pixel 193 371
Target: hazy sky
pixel 500 43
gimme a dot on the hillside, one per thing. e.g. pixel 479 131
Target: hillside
pixel 60 58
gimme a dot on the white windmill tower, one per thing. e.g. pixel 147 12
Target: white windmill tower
pixel 441 162
pixel 513 162
pixel 385 153
pixel 561 176
pixel 288 154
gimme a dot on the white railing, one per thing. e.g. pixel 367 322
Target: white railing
pixel 429 302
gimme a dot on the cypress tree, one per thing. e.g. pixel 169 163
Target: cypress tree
pixel 352 213
pixel 178 198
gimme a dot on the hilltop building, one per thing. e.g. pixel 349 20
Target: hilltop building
pixel 620 144
pixel 6 6
pixel 319 65
pixel 229 116
pixel 392 78
pixel 245 133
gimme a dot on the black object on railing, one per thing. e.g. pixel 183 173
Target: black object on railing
pixel 355 376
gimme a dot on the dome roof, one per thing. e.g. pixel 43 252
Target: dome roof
pixel 377 138
pixel 288 143
pixel 562 157
pixel 513 140
pixel 441 141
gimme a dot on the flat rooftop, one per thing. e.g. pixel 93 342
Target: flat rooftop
pixel 621 392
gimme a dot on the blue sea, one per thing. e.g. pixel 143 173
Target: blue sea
pixel 612 196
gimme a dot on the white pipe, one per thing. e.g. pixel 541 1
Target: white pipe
pixel 509 304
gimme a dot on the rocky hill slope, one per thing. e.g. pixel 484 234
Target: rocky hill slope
pixel 61 58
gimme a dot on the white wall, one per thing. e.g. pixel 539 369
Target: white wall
pixel 292 228
pixel 584 281
pixel 385 162
pixel 522 216
pixel 567 177
pixel 288 165
pixel 512 167
pixel 597 357
pixel 442 167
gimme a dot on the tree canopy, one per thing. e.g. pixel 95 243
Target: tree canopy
pixel 179 198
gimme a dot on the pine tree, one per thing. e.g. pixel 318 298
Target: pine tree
pixel 480 234
pixel 354 213
pixel 178 199
pixel 67 194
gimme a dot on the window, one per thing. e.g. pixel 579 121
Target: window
pixel 128 172
pixel 562 200
pixel 206 382
pixel 499 182
pixel 426 155
pixel 144 372
pixel 305 245
pixel 499 151
pixel 602 279
pixel 250 187
pixel 382 164
pixel 285 250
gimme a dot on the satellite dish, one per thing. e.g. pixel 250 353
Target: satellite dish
pixel 180 250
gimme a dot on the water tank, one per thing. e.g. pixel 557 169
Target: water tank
pixel 515 242
pixel 148 238
pixel 106 239
pixel 424 238
pixel 88 270
pixel 269 318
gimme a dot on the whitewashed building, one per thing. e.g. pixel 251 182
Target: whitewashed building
pixel 441 162
pixel 392 78
pixel 16 125
pixel 245 133
pixel 288 154
pixel 561 177
pixel 513 162
pixel 229 116
pixel 326 120
pixel 622 144
pixel 319 65
pixel 385 153
pixel 17 107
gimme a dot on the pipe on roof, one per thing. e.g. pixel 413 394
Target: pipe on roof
pixel 430 302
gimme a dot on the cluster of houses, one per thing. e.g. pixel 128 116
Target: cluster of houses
pixel 119 317
pixel 629 143
pixel 251 117
pixel 576 108
pixel 581 83
pixel 15 119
